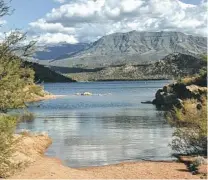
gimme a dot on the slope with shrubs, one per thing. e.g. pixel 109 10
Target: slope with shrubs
pixel 45 74
pixel 15 78
pixel 190 136
pixel 190 122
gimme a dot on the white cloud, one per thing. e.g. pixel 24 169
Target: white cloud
pixel 54 38
pixel 86 20
pixel 42 25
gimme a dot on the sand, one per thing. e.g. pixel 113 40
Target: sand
pixel 32 148
pixel 49 168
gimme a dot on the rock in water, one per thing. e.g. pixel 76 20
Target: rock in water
pixel 86 94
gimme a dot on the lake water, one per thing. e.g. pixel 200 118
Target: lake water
pixel 109 127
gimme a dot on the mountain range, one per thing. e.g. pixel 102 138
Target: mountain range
pixel 123 48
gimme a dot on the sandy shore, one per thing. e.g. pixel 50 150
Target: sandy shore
pixel 49 168
pixel 32 147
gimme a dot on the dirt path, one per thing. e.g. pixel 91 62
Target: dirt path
pixel 50 168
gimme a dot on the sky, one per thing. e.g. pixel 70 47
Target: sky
pixel 73 21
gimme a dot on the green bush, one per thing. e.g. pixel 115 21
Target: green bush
pixel 7 127
pixel 26 116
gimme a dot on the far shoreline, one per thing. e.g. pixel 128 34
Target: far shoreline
pixel 43 98
pixel 111 80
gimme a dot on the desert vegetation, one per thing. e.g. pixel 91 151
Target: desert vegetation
pixel 16 86
pixel 190 136
pixel 190 121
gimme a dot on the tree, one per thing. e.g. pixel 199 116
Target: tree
pixel 4 8
pixel 14 77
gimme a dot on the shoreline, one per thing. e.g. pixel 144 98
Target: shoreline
pixel 33 147
pixel 53 168
pixel 46 97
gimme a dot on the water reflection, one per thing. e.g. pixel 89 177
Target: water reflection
pixel 90 131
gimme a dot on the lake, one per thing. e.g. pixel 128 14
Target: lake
pixel 109 127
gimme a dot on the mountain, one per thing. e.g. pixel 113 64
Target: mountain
pixel 172 66
pixel 133 48
pixel 58 51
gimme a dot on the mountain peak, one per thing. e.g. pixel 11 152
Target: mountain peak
pixel 134 47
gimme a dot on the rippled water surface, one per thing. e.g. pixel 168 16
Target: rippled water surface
pixel 109 127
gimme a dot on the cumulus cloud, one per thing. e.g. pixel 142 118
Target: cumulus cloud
pixel 87 20
pixel 42 25
pixel 54 38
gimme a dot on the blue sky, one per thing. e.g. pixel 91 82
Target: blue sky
pixel 86 20
pixel 26 11
pixel 191 1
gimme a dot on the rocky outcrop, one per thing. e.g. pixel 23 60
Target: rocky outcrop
pixel 174 94
pixel 173 66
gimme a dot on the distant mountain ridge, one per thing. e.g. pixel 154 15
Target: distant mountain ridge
pixel 133 48
pixel 58 51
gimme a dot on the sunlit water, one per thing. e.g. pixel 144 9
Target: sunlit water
pixel 109 127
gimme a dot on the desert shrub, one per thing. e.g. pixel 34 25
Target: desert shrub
pixel 7 126
pixel 26 116
pixel 194 166
pixel 190 135
pixel 199 78
pixel 37 90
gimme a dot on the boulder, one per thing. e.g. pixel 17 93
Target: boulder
pixel 86 94
pixel 173 94
pixel 163 98
pixel 168 89
pixel 196 91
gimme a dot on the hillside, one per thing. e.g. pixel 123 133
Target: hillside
pixel 172 66
pixel 45 74
pixel 133 47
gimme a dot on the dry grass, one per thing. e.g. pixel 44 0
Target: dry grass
pixel 190 136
